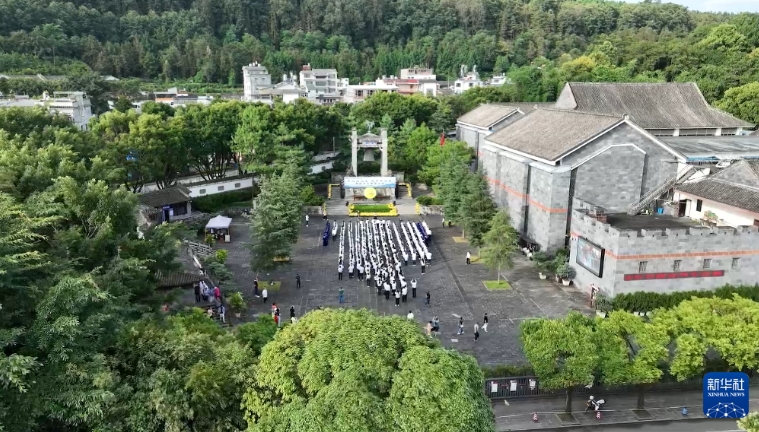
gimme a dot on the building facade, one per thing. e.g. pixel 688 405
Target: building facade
pixel 357 93
pixel 324 83
pixel 74 105
pixel 255 78
pixel 615 254
pixel 549 160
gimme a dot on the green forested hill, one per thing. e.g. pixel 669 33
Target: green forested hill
pixel 209 40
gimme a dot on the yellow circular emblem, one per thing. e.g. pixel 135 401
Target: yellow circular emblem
pixel 370 193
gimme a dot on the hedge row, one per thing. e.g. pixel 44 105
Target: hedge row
pixel 427 200
pixel 216 202
pixel 647 301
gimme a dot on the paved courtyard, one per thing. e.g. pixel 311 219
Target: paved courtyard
pixel 456 290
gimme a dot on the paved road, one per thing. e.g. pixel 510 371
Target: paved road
pixel 711 425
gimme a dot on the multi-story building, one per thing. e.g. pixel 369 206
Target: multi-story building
pixel 255 78
pixel 418 73
pixel 593 177
pixel 322 85
pixel 357 93
pixel 74 105
pixel 467 80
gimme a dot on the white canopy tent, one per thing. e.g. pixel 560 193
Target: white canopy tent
pixel 219 227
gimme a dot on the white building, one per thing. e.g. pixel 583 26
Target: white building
pixel 254 78
pixel 323 85
pixel 74 105
pixel 499 80
pixel 418 73
pixel 467 80
pixel 357 93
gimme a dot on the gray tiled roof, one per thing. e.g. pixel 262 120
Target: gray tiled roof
pixel 549 133
pixel 726 193
pixel 487 115
pixel 653 105
pixel 167 196
pixel 708 146
pixel 528 107
pixel 178 279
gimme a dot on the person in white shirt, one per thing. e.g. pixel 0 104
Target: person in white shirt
pixel 350 271
pixel 306 220
pixel 397 298
pixel 265 294
pixel 410 315
pixel 340 271
pixel 404 293
pixel 413 258
pixel 387 291
pixel 468 258
pixel 405 258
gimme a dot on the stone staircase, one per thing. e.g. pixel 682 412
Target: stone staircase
pixel 402 191
pixel 216 317
pixel 660 190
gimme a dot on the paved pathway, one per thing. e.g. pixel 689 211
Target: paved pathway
pixel 619 408
pixel 456 290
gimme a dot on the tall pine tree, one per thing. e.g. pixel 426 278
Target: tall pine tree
pixel 478 209
pixel 500 243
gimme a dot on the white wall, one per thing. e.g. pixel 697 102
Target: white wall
pixel 220 187
pixel 732 216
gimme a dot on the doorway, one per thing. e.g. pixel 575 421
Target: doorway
pixel 682 208
pixel 166 214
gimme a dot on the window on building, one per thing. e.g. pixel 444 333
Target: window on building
pixel 359 93
pixel 642 266
pixel 736 263
pixel 237 185
pixel 202 191
pixel 676 265
pixel 699 203
pixel 729 131
pixel 707 263
pixel 220 188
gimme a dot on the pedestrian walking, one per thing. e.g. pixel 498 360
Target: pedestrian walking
pixel 413 288
pixel 387 291
pixel 341 295
pixel 197 292
pixel 397 298
pixel 255 287
pixel 223 313
pixel 427 300
pixel 404 294
pixel 306 220
pixel 476 332
pixel 424 265
pixel 468 258
pixel 461 325
pixel 435 324
pixel 350 271
pixel 485 323
pixel 428 329
pixel 340 271
pixel 276 318
pixel 274 309
pixel 292 312
pixel 217 292
pixel 297 281
pixel 410 315
pixel 210 312
pixel 368 280
pixel 265 294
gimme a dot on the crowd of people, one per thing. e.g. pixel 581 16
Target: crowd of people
pixel 377 252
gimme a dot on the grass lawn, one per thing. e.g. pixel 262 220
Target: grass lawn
pixel 269 285
pixel 371 208
pixel 497 285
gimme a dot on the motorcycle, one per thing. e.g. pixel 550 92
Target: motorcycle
pixel 594 405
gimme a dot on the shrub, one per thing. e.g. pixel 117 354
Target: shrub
pixel 372 208
pixel 236 302
pixel 221 255
pixel 426 200
pixel 217 202
pixel 507 371
pixel 309 198
pixel 647 301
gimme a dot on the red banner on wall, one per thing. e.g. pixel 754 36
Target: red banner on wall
pixel 675 275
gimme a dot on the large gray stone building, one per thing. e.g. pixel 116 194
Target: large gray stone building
pixel 605 146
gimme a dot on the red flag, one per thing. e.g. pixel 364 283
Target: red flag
pixel 442 139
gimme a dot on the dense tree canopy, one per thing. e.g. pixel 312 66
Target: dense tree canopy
pixel 351 370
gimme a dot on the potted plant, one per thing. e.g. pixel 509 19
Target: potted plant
pixel 603 305
pixel 237 303
pixel 541 264
pixel 543 267
pixel 558 262
pixel 566 273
